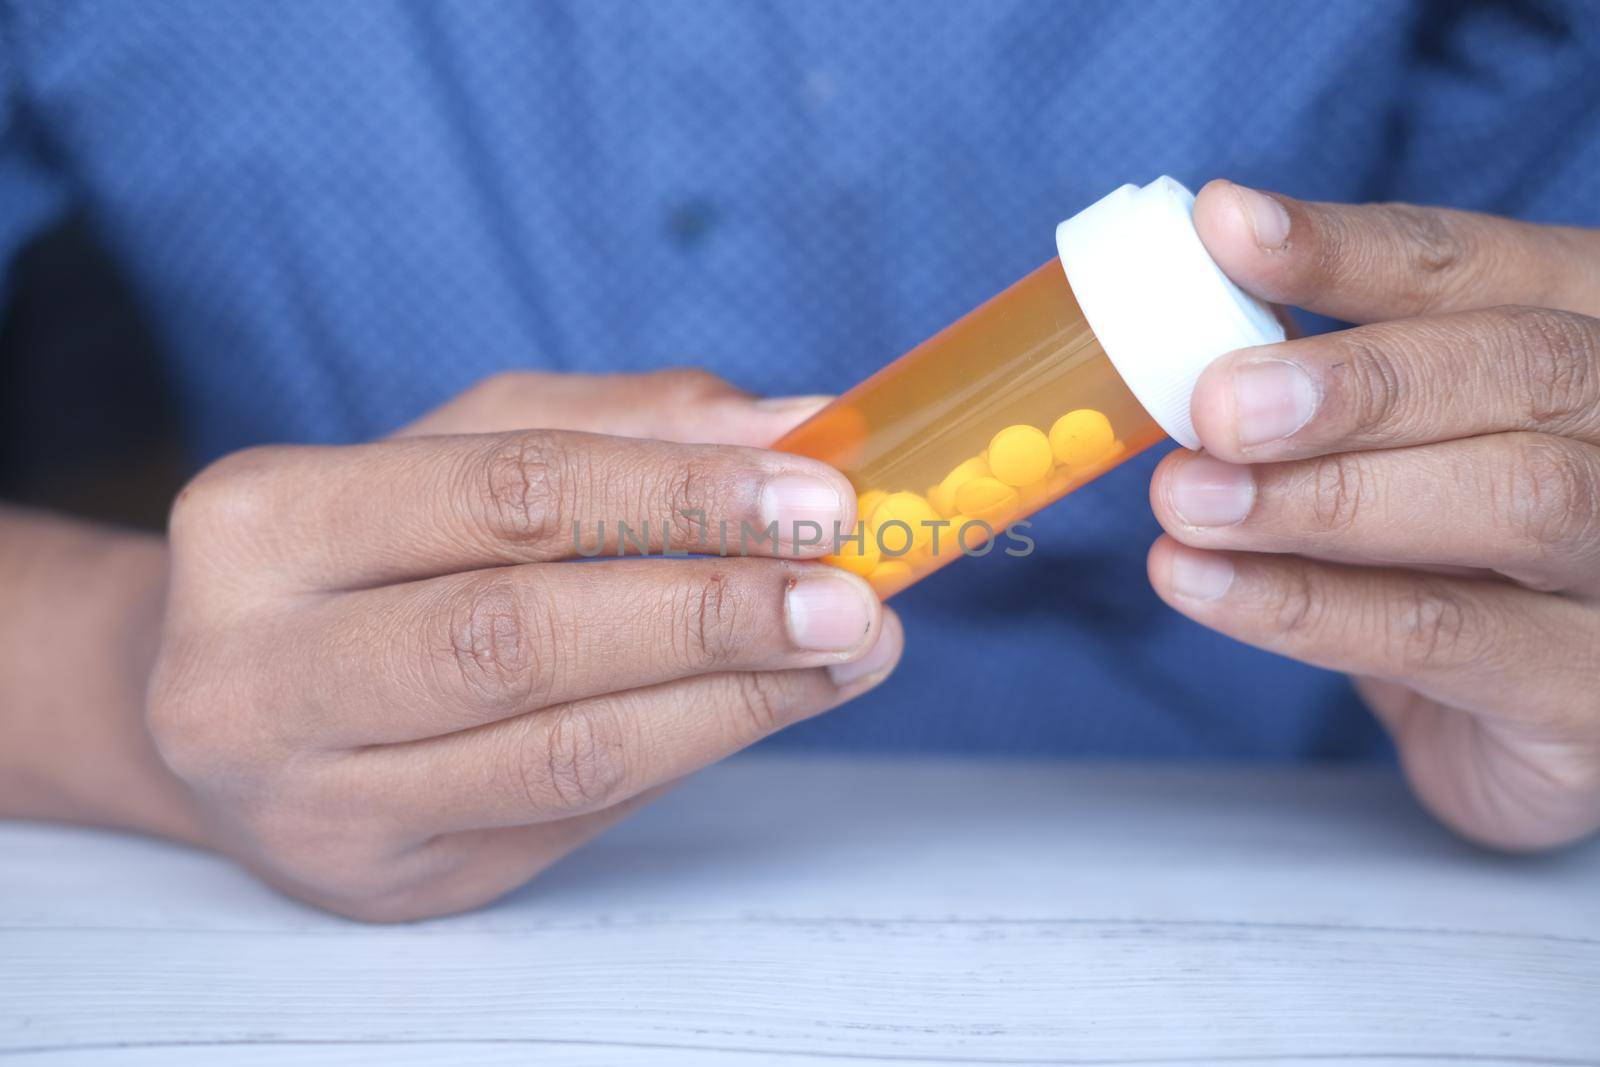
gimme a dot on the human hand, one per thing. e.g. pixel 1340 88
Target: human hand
pixel 1416 500
pixel 393 695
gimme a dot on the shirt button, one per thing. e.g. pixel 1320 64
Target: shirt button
pixel 688 222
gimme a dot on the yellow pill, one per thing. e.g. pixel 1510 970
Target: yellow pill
pixel 867 503
pixel 943 496
pixel 1082 437
pixel 970 533
pixel 890 576
pixel 911 509
pixel 857 559
pixel 1090 471
pixel 988 499
pixel 1020 455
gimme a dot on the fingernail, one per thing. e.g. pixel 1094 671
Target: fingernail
pixel 792 499
pixel 828 614
pixel 878 659
pixel 793 403
pixel 1200 575
pixel 1208 492
pixel 1272 398
pixel 1268 218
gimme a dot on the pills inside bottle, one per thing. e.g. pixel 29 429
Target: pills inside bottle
pixel 1036 392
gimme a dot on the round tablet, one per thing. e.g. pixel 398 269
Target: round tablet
pixel 857 559
pixel 971 533
pixel 943 496
pixel 890 576
pixel 1020 455
pixel 867 503
pixel 988 499
pixel 1082 437
pixel 911 509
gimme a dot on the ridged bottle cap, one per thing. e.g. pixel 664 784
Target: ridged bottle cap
pixel 1158 305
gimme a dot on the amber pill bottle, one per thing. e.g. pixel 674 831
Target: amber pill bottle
pixel 1078 367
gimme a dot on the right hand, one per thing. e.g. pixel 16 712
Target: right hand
pixel 393 694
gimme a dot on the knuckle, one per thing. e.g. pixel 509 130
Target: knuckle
pixel 232 495
pixel 521 484
pixel 1340 491
pixel 348 877
pixel 378 908
pixel 1577 775
pixel 1370 385
pixel 187 719
pixel 184 740
pixel 709 618
pixel 579 760
pixel 1434 246
pixel 318 842
pixel 494 643
pixel 338 854
pixel 1552 495
pixel 1554 361
pixel 506 387
pixel 689 490
pixel 763 703
pixel 1434 625
pixel 686 384
pixel 1296 605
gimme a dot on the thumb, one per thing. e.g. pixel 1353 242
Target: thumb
pixel 682 405
pixel 1372 262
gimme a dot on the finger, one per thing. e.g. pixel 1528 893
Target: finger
pixel 1524 505
pixel 1491 784
pixel 1404 383
pixel 587 756
pixel 467 870
pixel 1370 262
pixel 684 405
pixel 427 658
pixel 1487 647
pixel 415 874
pixel 332 518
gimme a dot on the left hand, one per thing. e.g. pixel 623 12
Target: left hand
pixel 1415 500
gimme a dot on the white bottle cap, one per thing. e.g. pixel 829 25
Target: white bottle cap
pixel 1159 306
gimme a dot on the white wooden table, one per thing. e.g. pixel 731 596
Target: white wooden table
pixel 801 912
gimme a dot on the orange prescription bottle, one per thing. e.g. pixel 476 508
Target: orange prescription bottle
pixel 1081 365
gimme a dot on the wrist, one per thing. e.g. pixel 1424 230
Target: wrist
pixel 78 639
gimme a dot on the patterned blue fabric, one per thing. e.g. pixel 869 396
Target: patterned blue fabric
pixel 339 214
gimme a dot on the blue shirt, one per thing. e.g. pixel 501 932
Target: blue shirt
pixel 338 215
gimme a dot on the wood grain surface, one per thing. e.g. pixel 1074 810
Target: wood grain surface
pixel 797 912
